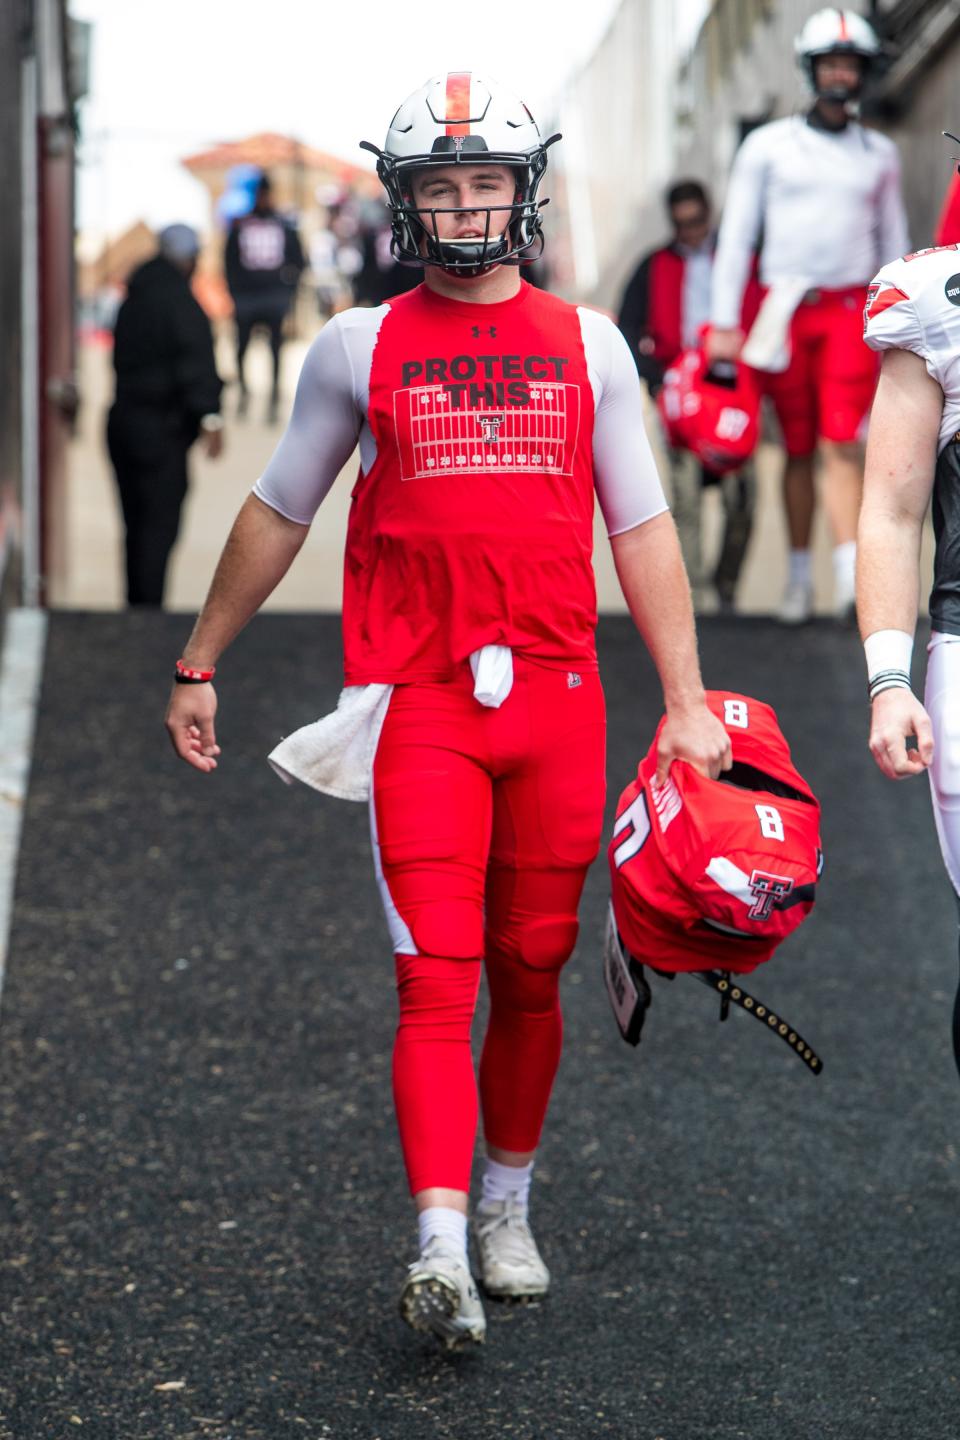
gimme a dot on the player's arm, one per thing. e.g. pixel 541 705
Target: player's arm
pixel 647 554
pixel 654 583
pixel 736 244
pixel 898 477
pixel 268 533
pixel 260 549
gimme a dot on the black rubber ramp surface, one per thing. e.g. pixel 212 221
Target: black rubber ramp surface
pixel 204 1221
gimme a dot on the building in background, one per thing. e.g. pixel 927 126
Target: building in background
pixel 42 73
pixel 617 119
pixel 650 105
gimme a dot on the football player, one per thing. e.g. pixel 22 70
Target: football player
pixel 913 317
pixel 825 193
pixel 488 414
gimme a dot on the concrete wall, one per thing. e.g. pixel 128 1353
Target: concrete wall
pixel 928 160
pixel 36 288
pixel 11 497
pixel 617 118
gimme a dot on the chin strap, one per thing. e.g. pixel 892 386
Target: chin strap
pixel 723 983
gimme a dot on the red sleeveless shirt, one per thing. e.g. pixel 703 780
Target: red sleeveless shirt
pixel 474 525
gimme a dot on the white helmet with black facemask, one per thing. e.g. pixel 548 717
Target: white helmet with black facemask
pixel 833 31
pixel 458 118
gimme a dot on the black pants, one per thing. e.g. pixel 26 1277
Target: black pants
pixel 270 315
pixel 152 480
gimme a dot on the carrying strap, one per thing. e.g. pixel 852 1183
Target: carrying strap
pixel 723 983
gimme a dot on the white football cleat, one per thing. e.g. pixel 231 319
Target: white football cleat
pixel 796 607
pixel 510 1263
pixel 440 1298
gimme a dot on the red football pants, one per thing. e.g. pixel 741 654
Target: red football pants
pixel 484 822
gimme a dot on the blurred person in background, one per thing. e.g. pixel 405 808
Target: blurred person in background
pixel 664 308
pixel 328 283
pixel 335 255
pixel 912 318
pixel 948 225
pixel 380 276
pixel 825 194
pixel 263 262
pixel 167 393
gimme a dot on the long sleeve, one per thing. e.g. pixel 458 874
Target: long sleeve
pixel 321 435
pixel 195 368
pixel 293 251
pixel 625 473
pixel 893 239
pixel 231 259
pixel 739 232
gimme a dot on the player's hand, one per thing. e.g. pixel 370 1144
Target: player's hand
pixel 895 716
pixel 189 723
pixel 723 344
pixel 697 736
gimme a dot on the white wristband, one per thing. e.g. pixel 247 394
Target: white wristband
pixel 888 650
pixel 888 661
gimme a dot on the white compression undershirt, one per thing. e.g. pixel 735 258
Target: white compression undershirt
pixel 828 205
pixel 329 420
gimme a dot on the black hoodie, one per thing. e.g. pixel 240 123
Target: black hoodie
pixel 163 353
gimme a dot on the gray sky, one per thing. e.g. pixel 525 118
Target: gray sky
pixel 173 76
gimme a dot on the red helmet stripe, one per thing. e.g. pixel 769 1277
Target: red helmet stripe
pixel 844 32
pixel 458 102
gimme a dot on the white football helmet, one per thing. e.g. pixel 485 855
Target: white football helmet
pixel 458 118
pixel 836 32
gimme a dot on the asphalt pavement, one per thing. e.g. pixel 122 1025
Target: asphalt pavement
pixel 203 1216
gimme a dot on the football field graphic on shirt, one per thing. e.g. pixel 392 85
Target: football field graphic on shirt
pixel 438 436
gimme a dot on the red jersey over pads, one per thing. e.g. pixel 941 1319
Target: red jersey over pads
pixel 714 874
pixel 475 524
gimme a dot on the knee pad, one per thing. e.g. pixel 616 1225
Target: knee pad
pixel 545 944
pixel 449 928
pixel 548 944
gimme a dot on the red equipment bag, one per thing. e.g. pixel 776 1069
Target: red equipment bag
pixel 713 411
pixel 709 876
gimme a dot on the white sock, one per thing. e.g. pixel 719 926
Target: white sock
pixel 844 569
pixel 439 1222
pixel 502 1182
pixel 800 571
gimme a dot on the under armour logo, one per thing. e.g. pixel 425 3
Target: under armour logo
pixel 766 891
pixel 489 426
pixel 478 330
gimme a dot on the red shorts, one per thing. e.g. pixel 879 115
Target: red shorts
pixel 484 824
pixel 827 389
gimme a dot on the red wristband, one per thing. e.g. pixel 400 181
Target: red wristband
pixel 187 672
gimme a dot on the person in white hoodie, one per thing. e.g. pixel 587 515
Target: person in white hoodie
pixel 824 192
